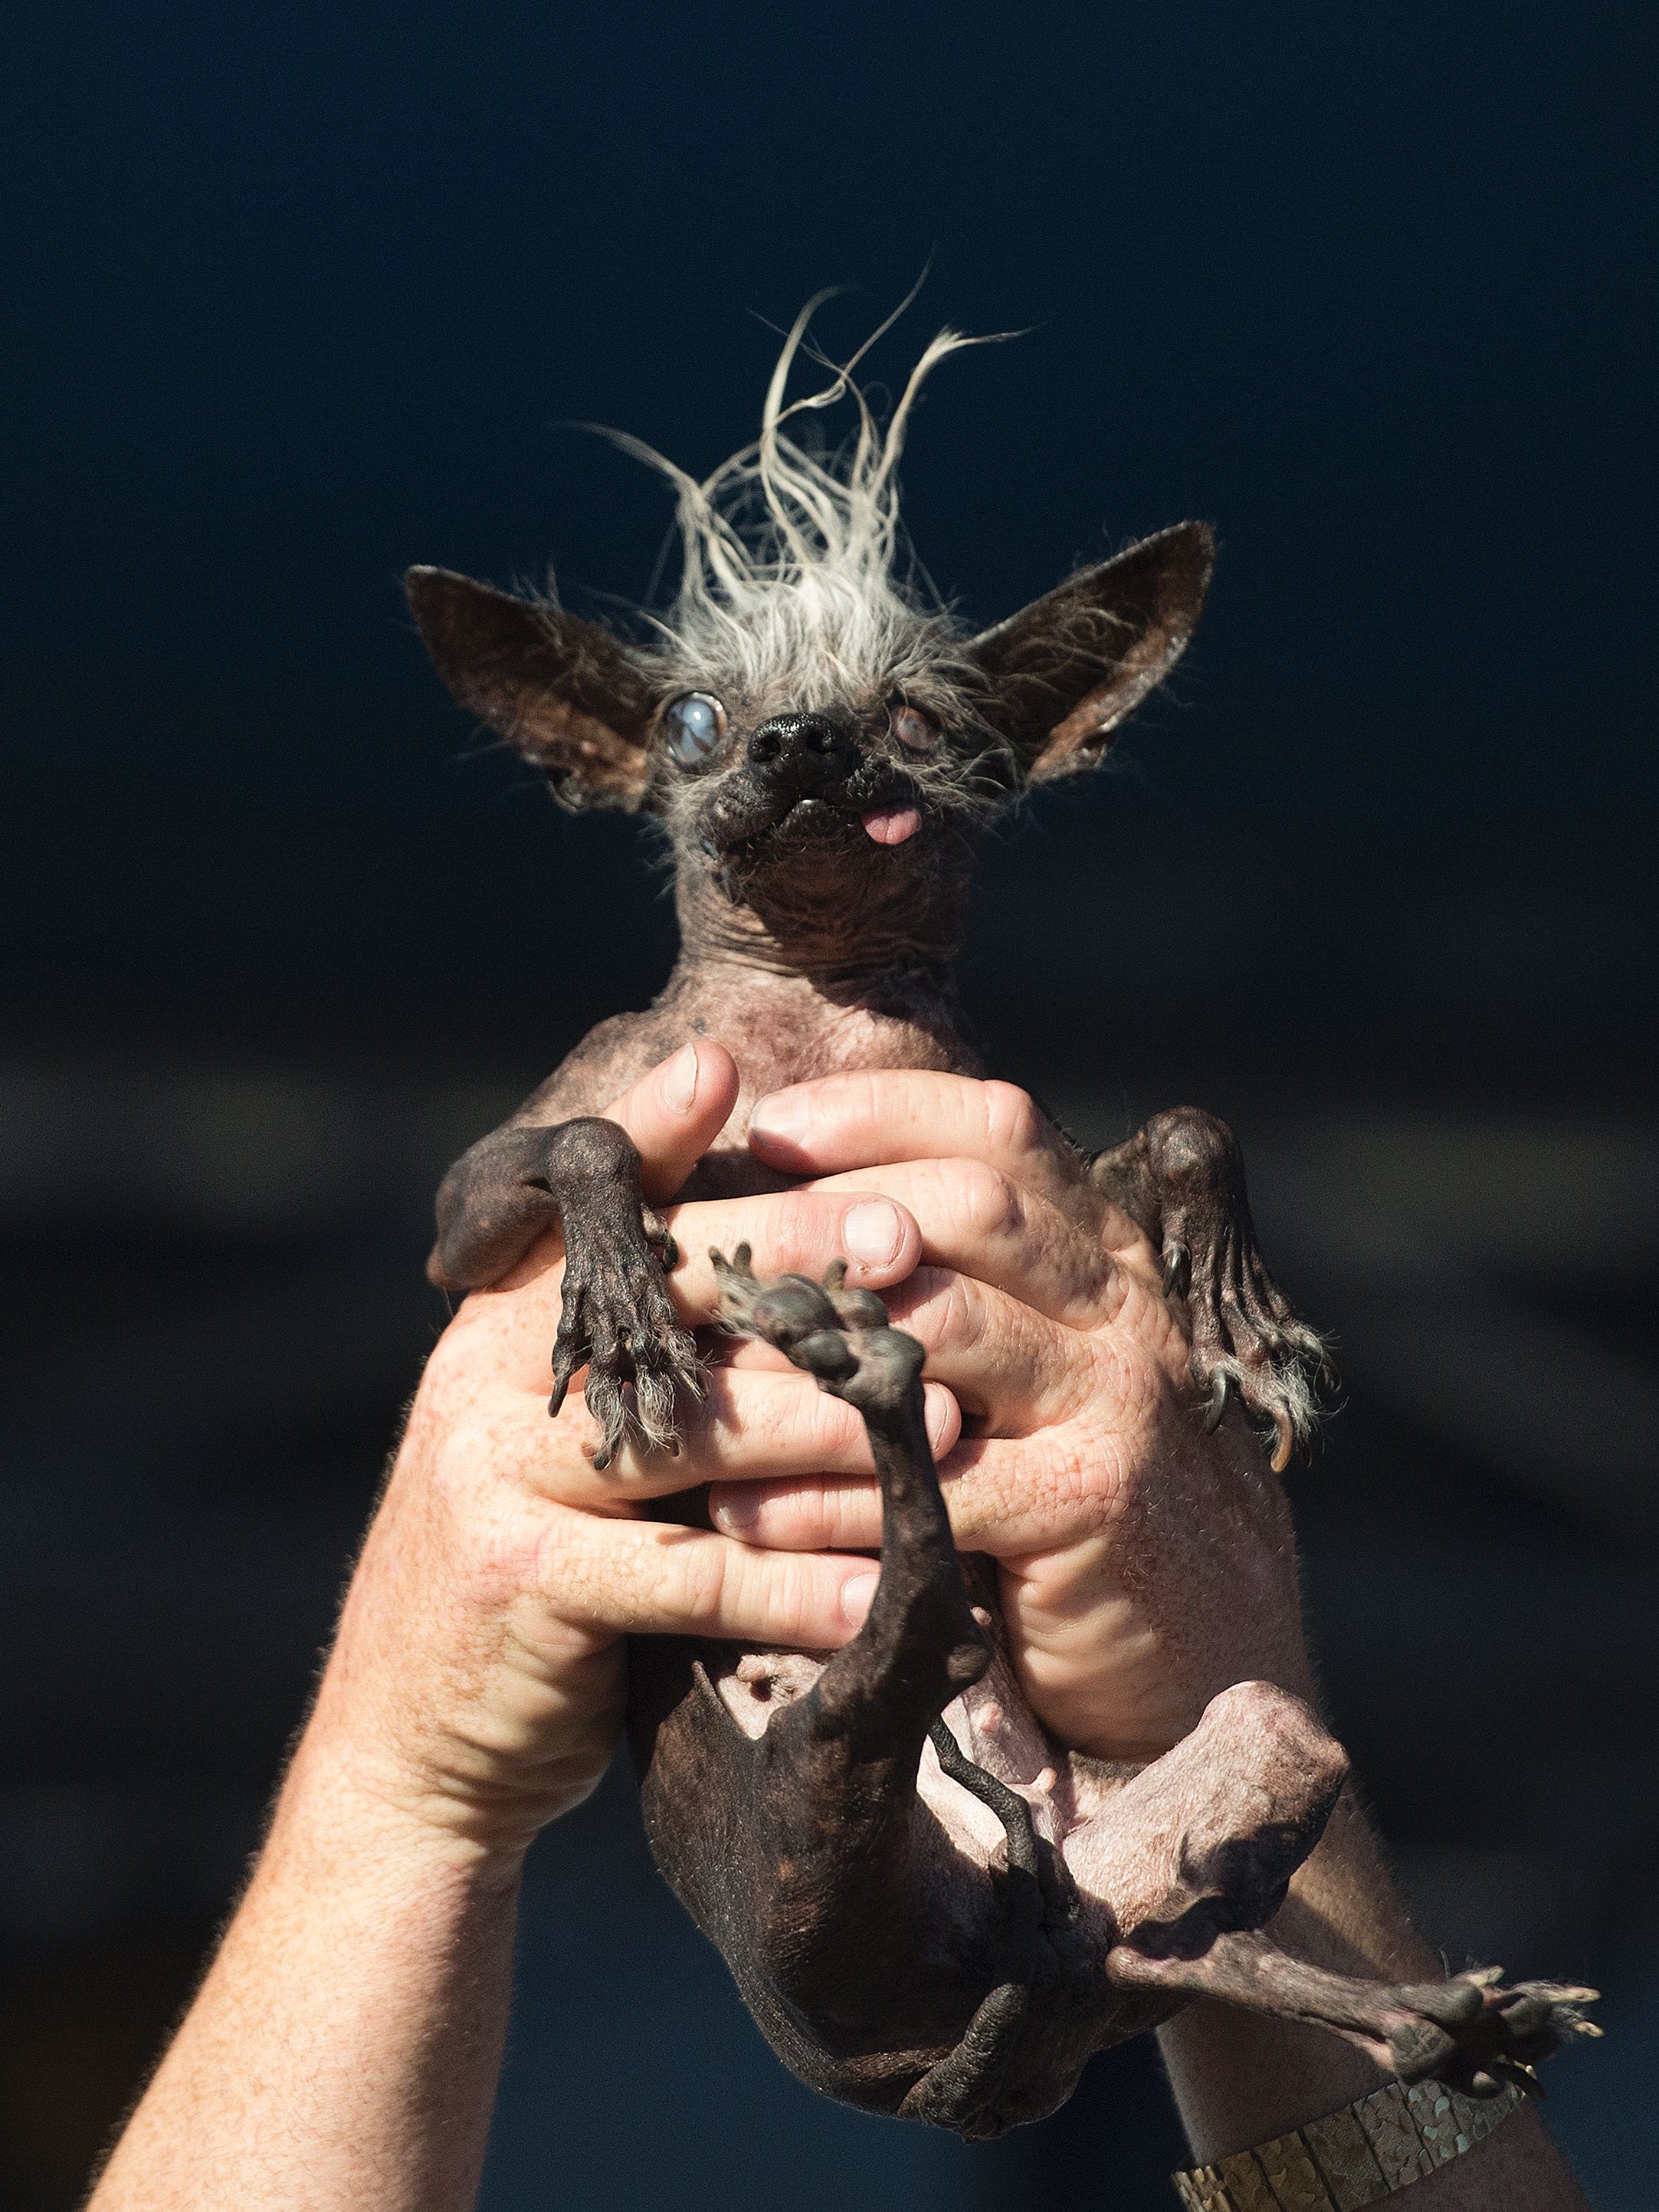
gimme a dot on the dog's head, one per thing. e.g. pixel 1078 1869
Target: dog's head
pixel 818 740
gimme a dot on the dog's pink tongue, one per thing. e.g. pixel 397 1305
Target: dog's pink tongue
pixel 891 826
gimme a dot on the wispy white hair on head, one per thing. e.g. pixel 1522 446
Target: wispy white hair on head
pixel 795 579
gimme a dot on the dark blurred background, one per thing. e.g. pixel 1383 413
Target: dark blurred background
pixel 300 294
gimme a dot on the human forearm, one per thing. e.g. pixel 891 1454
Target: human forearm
pixel 344 2049
pixel 1242 2078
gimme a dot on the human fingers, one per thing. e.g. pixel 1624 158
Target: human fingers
pixel 752 1425
pixel 879 1118
pixel 1012 1369
pixel 1099 1644
pixel 789 1232
pixel 675 1112
pixel 980 1220
pixel 653 1578
pixel 1006 1497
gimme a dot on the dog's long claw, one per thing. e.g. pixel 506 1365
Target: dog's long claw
pixel 1284 1438
pixel 1218 1408
pixel 565 1364
pixel 659 1237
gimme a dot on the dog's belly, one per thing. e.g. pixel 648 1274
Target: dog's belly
pixel 992 1722
pixel 864 2010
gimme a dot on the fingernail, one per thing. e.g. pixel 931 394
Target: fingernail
pixel 940 1417
pixel 680 1079
pixel 783 1114
pixel 857 1595
pixel 873 1233
pixel 734 1516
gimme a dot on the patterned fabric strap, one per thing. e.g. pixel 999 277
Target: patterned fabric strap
pixel 1365 2151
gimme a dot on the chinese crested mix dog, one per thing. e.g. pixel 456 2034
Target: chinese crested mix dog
pixel 931 1908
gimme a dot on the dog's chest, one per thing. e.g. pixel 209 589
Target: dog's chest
pixel 779 1030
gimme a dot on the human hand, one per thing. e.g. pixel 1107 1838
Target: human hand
pixel 1144 1565
pixel 478 1677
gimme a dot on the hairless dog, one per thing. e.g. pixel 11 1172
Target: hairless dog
pixel 916 1929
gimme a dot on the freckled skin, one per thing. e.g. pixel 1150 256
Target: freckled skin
pixel 938 1917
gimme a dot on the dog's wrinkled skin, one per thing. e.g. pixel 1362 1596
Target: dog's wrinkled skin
pixel 929 1907
pixel 777 877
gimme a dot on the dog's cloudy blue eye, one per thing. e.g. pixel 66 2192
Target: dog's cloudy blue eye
pixel 696 723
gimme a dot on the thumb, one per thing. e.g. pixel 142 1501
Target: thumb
pixel 675 1112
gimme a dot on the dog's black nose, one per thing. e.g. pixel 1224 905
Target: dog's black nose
pixel 802 752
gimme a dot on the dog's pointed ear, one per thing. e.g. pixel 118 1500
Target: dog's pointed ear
pixel 570 696
pixel 1064 672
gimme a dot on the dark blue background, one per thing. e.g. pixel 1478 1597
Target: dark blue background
pixel 299 295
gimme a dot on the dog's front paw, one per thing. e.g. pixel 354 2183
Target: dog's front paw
pixel 1245 1338
pixel 1184 1174
pixel 618 1321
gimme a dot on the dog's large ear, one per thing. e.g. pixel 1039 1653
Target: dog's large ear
pixel 1064 671
pixel 571 697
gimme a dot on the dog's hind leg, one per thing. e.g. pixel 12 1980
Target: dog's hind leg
pixel 1195 1855
pixel 1471 2033
pixel 920 1643
pixel 846 1905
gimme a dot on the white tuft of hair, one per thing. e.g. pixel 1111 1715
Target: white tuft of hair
pixel 796 581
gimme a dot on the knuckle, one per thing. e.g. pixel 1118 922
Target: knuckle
pixel 706 1575
pixel 940 1308
pixel 796 1518
pixel 504 1555
pixel 566 1567
pixel 832 1427
pixel 1132 1380
pixel 1012 1122
pixel 761 1595
pixel 797 1597
pixel 802 1224
pixel 472 1450
pixel 474 1347
pixel 989 1204
pixel 964 1318
pixel 854 1520
pixel 1070 1481
pixel 449 1384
